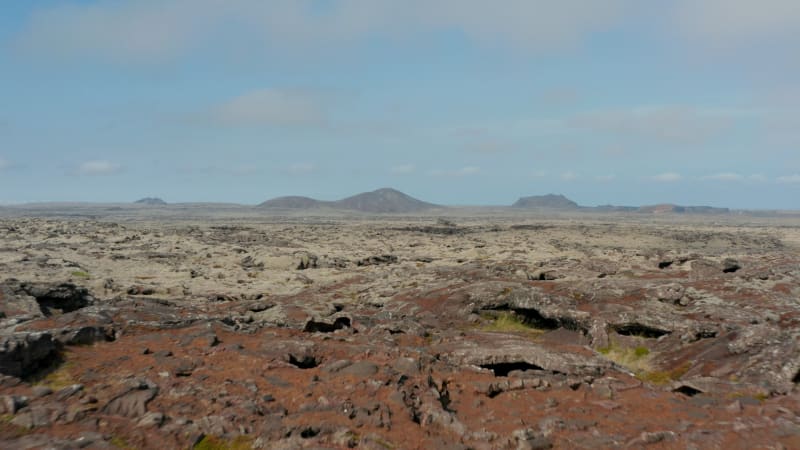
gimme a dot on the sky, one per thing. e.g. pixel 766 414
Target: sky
pixel 460 102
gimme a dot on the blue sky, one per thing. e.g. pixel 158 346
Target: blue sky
pixel 452 101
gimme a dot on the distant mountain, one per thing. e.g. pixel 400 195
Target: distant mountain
pixel 706 210
pixel 381 201
pixel 389 200
pixel 384 201
pixel 293 202
pixel 549 201
pixel 614 208
pixel 677 209
pixel 553 201
pixel 151 201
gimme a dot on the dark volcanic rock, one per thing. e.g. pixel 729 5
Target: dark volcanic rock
pixel 313 326
pixel 84 335
pixel 14 302
pixel 311 261
pixel 41 298
pixel 377 260
pixel 62 298
pixel 132 401
pixel 360 369
pixel 670 293
pixel 23 353
pixel 549 201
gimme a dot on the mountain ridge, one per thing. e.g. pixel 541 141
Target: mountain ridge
pixel 549 201
pixel 389 200
pixel 150 201
pixel 384 200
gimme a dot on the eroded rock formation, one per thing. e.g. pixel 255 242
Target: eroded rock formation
pixel 502 335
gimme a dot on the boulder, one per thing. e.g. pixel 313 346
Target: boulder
pixel 21 354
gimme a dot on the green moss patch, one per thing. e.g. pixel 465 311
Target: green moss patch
pixel 509 322
pixel 217 443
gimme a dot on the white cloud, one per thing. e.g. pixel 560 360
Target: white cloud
pixel 4 164
pixel 615 151
pixel 303 168
pixel 782 127
pixel 605 178
pixel 272 107
pixel 725 176
pixel 462 172
pixel 148 30
pixel 667 177
pixel 160 30
pixel 559 97
pixel 673 124
pixel 489 147
pixel 403 169
pixel 243 170
pixel 471 132
pixel 569 176
pixel 732 177
pixel 729 23
pixel 539 174
pixel 789 179
pixel 238 170
pixel 98 167
pixel 524 24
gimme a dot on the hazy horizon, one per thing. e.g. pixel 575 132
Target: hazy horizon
pixel 333 200
pixel 452 102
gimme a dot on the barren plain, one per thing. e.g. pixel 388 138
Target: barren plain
pixel 139 330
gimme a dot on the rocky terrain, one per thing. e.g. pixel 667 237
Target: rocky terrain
pixel 398 333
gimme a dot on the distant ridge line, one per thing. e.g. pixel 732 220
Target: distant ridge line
pixel 384 200
pixel 388 200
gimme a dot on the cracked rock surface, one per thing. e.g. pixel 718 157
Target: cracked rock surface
pixel 326 332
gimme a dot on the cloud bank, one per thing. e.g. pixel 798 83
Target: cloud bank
pixel 675 124
pixel 667 177
pixel 157 31
pixel 402 169
pixel 272 107
pixel 462 172
pixel 729 23
pixel 789 179
pixel 98 167
pixel 153 31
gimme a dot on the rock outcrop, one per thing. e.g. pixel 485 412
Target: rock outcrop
pixel 317 333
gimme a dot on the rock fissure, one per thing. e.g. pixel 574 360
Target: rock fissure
pixel 504 368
